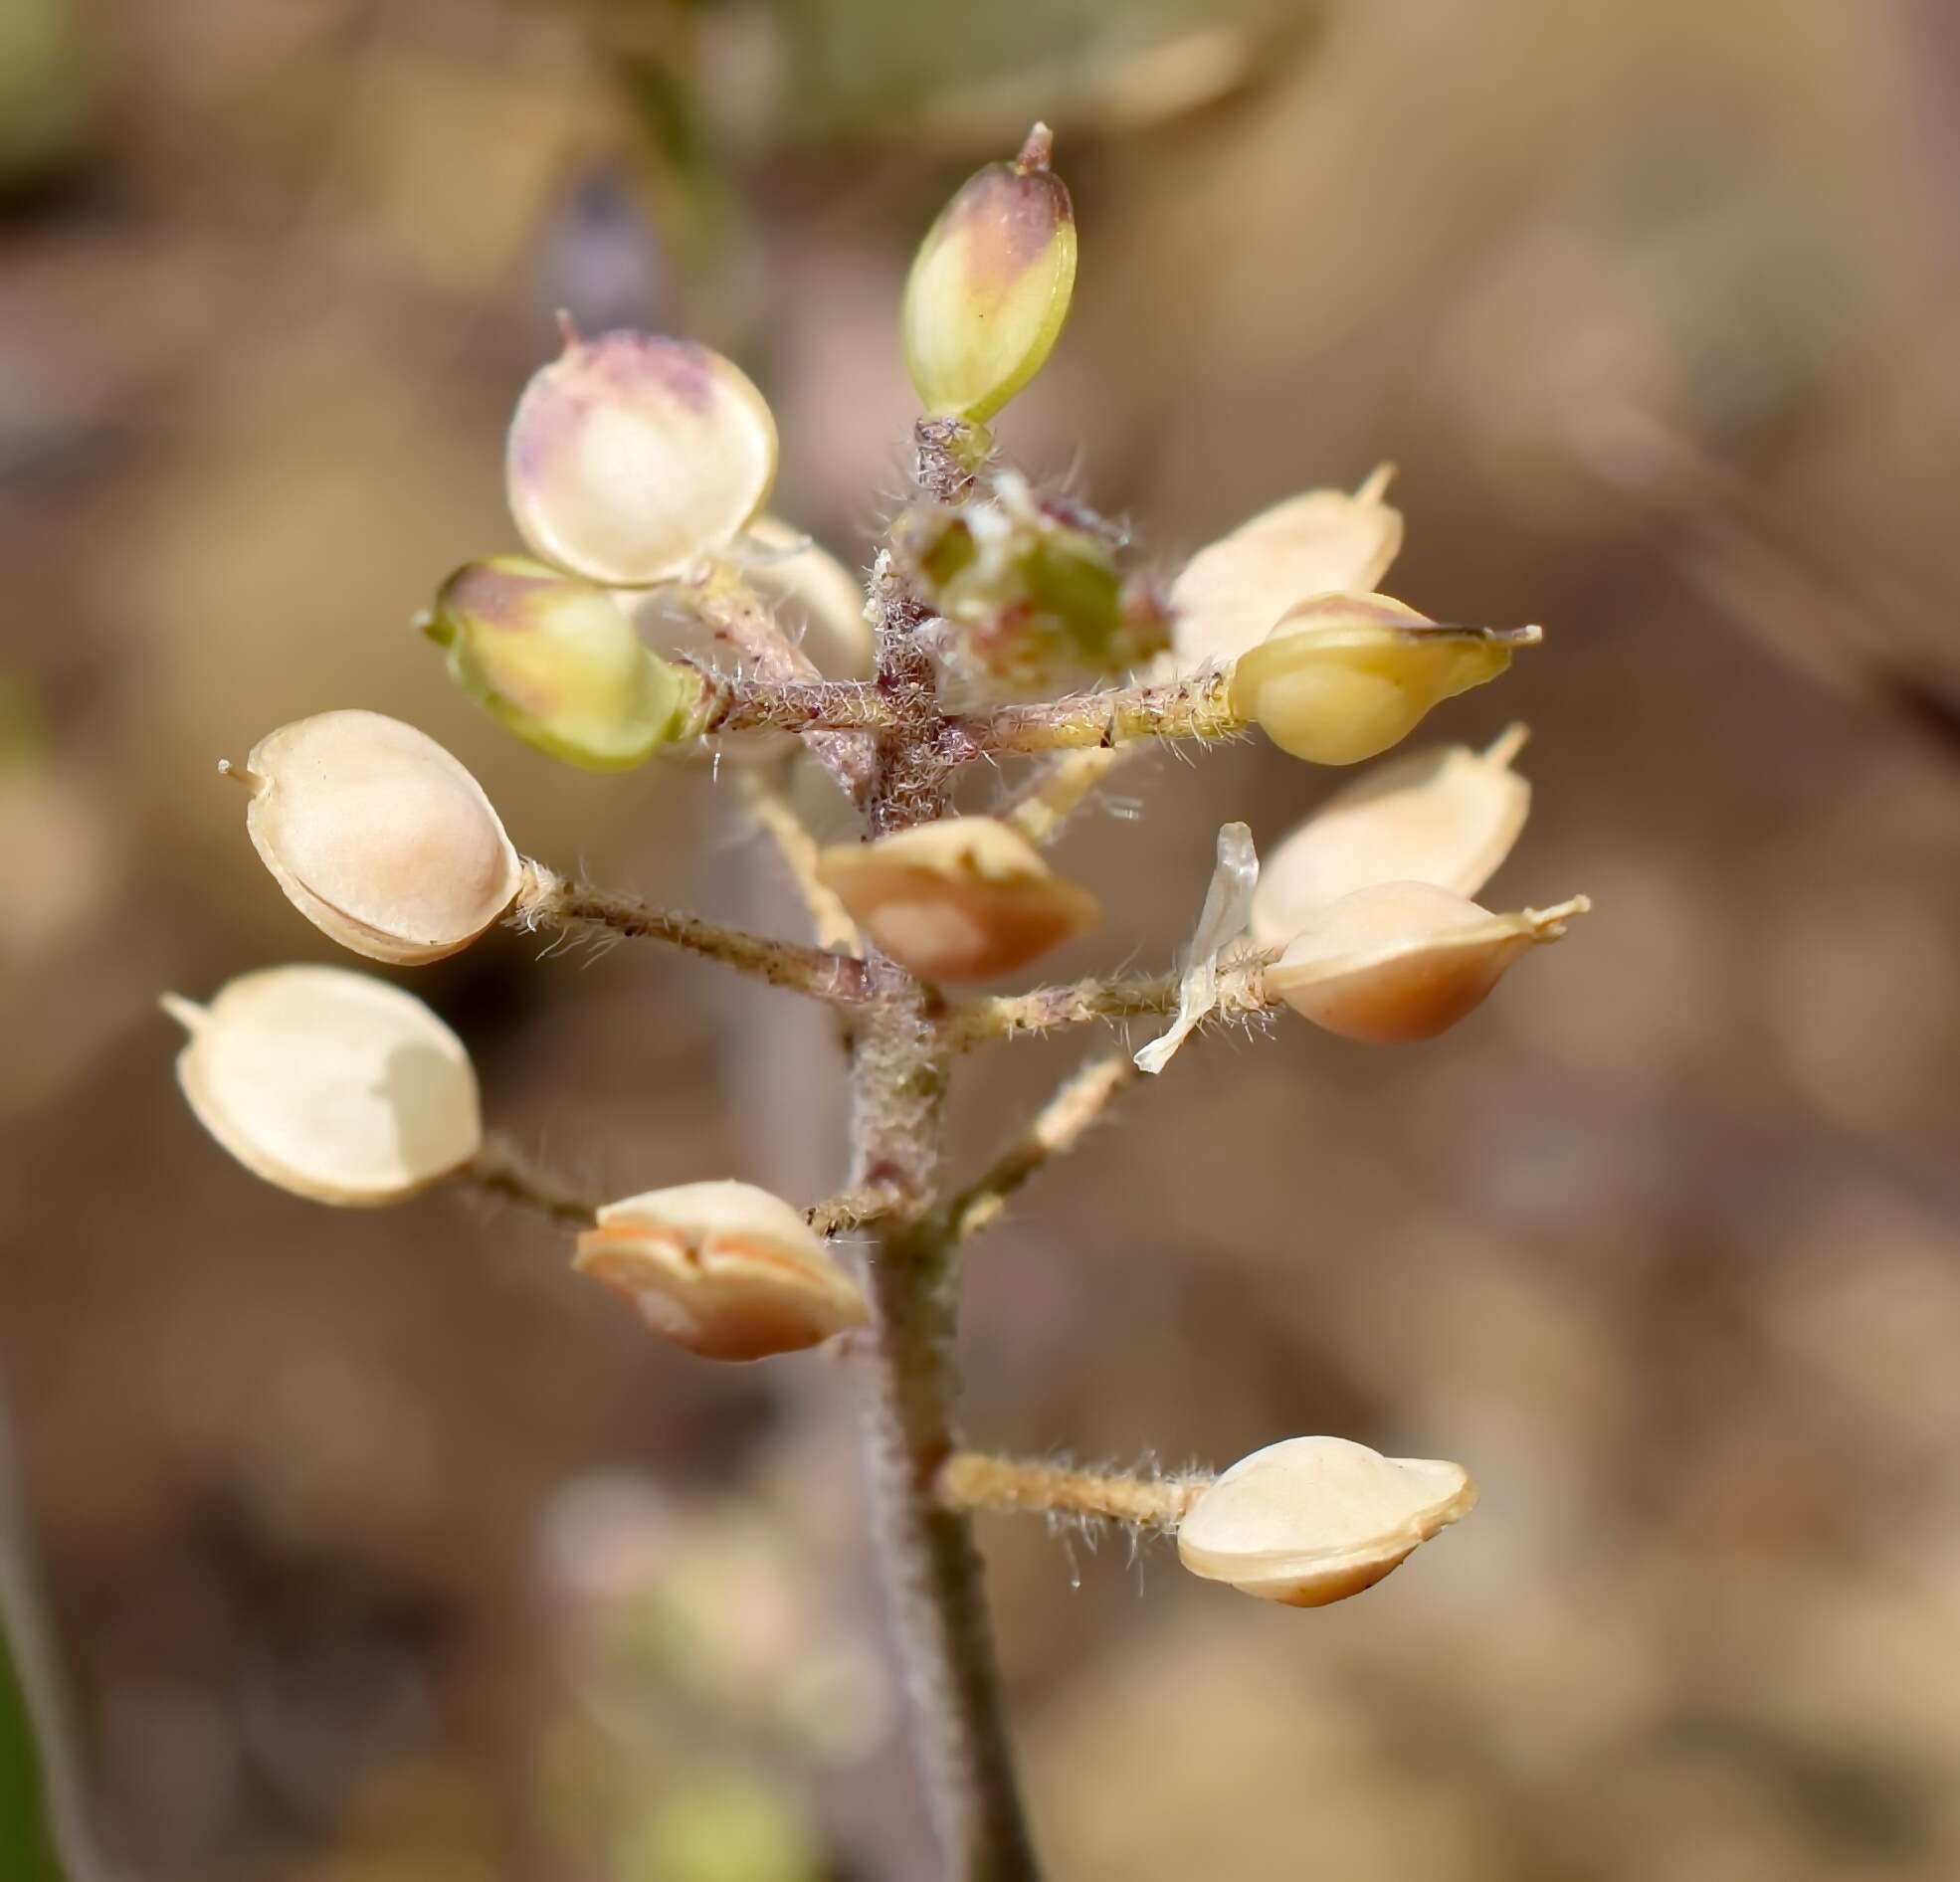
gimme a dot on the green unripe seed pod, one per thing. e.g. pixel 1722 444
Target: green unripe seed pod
pixel 558 662
pixel 990 285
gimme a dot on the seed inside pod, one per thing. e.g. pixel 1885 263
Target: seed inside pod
pixel 966 898
pixel 378 837
pixel 330 1083
pixel 1343 677
pixel 724 1270
pixel 1230 596
pixel 1448 816
pixel 1313 1520
pixel 1405 961
pixel 632 454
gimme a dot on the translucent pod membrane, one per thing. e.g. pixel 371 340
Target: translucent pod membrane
pixel 330 1083
pixel 632 454
pixel 1343 677
pixel 378 837
pixel 1230 596
pixel 989 288
pixel 1447 816
pixel 1314 1520
pixel 966 898
pixel 1405 961
pixel 724 1270
pixel 556 661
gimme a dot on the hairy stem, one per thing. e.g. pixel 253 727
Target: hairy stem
pixel 901 1063
pixel 976 1480
pixel 501 1170
pixel 1199 706
pixel 1054 1130
pixel 930 1567
pixel 549 901
pixel 1242 989
pixel 772 808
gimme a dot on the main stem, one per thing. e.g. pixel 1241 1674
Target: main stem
pixel 901 1063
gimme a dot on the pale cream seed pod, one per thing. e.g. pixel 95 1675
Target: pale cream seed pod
pixel 631 456
pixel 1447 816
pixel 1343 677
pixel 1313 1520
pixel 724 1270
pixel 964 899
pixel 1404 960
pixel 378 837
pixel 330 1083
pixel 1230 596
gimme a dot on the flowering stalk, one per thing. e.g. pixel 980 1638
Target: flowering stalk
pixel 640 466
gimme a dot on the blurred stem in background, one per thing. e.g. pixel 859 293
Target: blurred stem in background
pixel 42 1837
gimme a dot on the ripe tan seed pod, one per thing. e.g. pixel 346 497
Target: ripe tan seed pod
pixel 1343 677
pixel 966 898
pixel 1231 596
pixel 724 1270
pixel 1405 961
pixel 378 837
pixel 990 285
pixel 1448 816
pixel 330 1083
pixel 631 456
pixel 1314 1520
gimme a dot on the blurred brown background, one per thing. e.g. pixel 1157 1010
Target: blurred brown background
pixel 380 1550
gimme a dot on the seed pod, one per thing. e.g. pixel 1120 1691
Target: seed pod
pixel 1448 816
pixel 990 285
pixel 1345 677
pixel 1230 596
pixel 330 1083
pixel 632 454
pixel 724 1270
pixel 1313 1520
pixel 1405 960
pixel 378 837
pixel 966 898
pixel 556 661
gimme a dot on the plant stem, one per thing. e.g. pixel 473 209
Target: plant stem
pixel 901 1063
pixel 976 1480
pixel 549 901
pixel 930 1567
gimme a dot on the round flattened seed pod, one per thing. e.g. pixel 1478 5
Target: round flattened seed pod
pixel 1230 596
pixel 966 898
pixel 1314 1520
pixel 632 454
pixel 1448 816
pixel 1404 960
pixel 378 837
pixel 330 1083
pixel 724 1270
